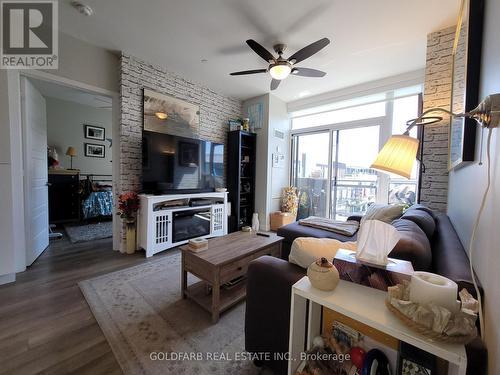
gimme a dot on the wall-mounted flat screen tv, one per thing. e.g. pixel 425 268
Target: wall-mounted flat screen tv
pixel 173 164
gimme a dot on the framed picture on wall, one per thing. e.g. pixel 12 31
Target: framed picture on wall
pixel 93 150
pixel 170 115
pixel 94 132
pixel 465 81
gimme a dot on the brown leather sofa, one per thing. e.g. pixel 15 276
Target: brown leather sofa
pixel 428 240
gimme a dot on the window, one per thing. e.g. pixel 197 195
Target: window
pixel 334 146
pixel 355 186
pixel 340 115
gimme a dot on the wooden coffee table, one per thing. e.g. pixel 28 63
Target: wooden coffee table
pixel 225 260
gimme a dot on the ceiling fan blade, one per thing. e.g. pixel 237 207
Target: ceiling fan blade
pixel 275 83
pixel 308 72
pixel 259 50
pixel 309 50
pixel 243 72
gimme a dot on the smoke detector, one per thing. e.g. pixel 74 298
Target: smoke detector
pixel 82 8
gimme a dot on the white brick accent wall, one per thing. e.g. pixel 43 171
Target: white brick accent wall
pixel 135 75
pixel 437 93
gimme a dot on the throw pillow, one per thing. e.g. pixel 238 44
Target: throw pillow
pixel 306 250
pixel 383 212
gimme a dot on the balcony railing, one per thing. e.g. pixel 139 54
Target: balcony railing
pixel 403 192
pixel 354 197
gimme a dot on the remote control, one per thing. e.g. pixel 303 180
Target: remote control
pixel 263 234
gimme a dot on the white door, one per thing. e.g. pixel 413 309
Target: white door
pixel 36 206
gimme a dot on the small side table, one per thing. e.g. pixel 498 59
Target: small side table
pixel 366 305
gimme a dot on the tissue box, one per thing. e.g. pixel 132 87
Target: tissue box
pixel 373 276
pixel 278 219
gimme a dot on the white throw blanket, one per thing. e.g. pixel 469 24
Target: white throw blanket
pixel 346 228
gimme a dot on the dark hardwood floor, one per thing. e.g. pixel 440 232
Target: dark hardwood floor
pixel 46 325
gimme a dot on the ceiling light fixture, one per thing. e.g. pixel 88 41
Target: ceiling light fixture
pixel 82 8
pixel 161 115
pixel 280 70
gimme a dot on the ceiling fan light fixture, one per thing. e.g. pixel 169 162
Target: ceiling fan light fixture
pixel 161 115
pixel 280 71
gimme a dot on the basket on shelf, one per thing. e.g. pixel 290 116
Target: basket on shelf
pixel 429 333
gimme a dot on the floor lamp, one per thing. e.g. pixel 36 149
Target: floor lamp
pixel 400 151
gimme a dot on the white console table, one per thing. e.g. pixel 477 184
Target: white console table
pixel 366 305
pixel 155 225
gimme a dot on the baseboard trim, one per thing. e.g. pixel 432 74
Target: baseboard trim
pixel 9 278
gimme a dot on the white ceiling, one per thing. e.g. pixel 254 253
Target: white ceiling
pixel 370 39
pixel 53 90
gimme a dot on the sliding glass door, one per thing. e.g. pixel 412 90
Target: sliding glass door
pixel 354 184
pixel 331 171
pixel 311 172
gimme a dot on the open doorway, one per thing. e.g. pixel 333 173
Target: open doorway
pixel 67 143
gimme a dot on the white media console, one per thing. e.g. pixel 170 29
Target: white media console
pixel 166 221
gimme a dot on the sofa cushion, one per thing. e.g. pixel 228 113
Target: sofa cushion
pixel 421 207
pixel 291 231
pixel 383 212
pixel 306 250
pixel 413 246
pixel 449 258
pixel 423 219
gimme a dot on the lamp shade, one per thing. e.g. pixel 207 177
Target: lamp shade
pixel 71 151
pixel 397 156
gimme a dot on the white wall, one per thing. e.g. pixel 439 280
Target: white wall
pixel 270 180
pixel 465 189
pixel 262 160
pixel 7 260
pixel 280 175
pixel 87 63
pixel 65 127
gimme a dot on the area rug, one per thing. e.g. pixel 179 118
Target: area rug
pixel 152 330
pixel 89 232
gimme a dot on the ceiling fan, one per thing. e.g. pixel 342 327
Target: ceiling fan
pixel 279 68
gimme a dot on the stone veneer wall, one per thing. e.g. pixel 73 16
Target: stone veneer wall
pixel 135 75
pixel 437 93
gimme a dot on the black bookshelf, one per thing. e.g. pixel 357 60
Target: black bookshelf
pixel 241 177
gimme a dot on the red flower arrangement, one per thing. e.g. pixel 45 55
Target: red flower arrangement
pixel 128 204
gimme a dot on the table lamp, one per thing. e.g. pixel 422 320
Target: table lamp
pixel 400 151
pixel 71 152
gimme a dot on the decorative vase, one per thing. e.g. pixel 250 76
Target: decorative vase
pixel 323 275
pixel 255 222
pixel 246 124
pixel 130 236
pixel 290 200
